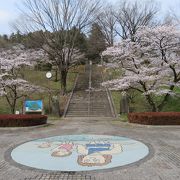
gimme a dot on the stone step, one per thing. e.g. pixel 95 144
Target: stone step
pixel 87 115
pixel 82 109
pixel 89 104
pixel 86 112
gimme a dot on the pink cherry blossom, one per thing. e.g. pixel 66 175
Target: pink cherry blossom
pixel 12 84
pixel 150 65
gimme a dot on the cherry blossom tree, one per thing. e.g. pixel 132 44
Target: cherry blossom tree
pixel 12 85
pixel 151 65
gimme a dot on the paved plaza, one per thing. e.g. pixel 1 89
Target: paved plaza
pixel 162 163
pixel 155 154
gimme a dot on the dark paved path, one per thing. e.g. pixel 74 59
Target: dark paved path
pixel 162 164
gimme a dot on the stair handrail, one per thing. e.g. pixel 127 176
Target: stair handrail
pixel 111 102
pixel 69 100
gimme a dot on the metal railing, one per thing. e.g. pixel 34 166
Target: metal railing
pixel 67 105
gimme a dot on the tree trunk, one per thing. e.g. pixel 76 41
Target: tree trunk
pixel 12 104
pixel 12 110
pixel 56 76
pixel 63 81
pixel 149 99
pixel 13 107
pixel 151 103
pixel 112 37
pixel 165 100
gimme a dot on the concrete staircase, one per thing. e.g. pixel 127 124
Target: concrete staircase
pixel 94 102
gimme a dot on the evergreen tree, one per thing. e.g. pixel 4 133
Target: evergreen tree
pixel 5 37
pixel 3 43
pixel 96 43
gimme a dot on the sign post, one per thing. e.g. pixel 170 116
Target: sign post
pixel 33 106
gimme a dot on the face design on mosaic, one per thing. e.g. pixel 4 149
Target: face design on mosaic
pixel 44 145
pixel 91 154
pixel 79 152
pixel 62 150
pixel 97 153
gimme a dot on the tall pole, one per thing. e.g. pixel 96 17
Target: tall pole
pixel 49 76
pixel 90 75
pixel 90 86
pixel 49 96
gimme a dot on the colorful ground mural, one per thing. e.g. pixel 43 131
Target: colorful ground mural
pixel 79 152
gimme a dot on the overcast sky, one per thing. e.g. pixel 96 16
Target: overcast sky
pixel 9 12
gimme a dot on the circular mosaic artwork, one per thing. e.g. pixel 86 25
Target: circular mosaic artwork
pixel 79 152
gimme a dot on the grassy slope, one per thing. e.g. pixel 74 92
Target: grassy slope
pixel 139 104
pixel 38 78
